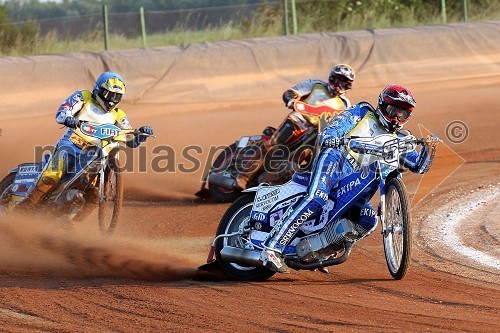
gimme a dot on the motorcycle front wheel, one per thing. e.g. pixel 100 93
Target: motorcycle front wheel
pixel 110 204
pixel 6 182
pixel 398 234
pixel 235 218
pixel 223 162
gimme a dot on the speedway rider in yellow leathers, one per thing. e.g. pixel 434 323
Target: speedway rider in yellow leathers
pixel 314 92
pixel 98 106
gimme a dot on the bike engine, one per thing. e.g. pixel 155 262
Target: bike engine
pixel 330 240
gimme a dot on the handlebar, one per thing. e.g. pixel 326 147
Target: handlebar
pixel 387 146
pixel 122 131
pixel 431 139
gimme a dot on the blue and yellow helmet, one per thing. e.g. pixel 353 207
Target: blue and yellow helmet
pixel 108 90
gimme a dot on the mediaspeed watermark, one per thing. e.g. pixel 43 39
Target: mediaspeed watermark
pixel 189 159
pixel 195 158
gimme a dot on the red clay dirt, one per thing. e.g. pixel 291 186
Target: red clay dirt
pixel 144 278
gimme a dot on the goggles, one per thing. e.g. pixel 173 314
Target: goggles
pixel 397 113
pixel 111 96
pixel 341 84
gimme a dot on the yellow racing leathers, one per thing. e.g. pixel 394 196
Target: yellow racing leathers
pixel 81 106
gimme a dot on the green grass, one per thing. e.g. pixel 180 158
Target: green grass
pixel 312 17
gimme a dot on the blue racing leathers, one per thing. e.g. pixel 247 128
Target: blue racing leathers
pixel 338 174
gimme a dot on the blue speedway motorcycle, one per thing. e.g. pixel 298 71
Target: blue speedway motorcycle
pixel 323 239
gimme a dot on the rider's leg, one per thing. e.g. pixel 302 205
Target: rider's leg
pixel 252 167
pixel 324 179
pixel 57 166
pixel 367 221
pixel 364 218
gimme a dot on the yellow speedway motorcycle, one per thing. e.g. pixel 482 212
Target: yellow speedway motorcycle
pixel 310 120
pixel 96 181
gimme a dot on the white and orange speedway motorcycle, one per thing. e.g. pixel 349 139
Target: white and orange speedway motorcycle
pixel 221 178
pixel 97 181
pixel 323 239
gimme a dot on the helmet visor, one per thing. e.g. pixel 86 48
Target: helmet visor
pixel 397 113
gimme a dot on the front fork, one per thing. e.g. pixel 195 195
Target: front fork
pixel 102 169
pixel 381 215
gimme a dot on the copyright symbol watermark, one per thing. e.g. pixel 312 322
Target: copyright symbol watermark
pixel 457 131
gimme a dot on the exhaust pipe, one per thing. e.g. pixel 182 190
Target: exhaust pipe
pixel 240 256
pixel 323 263
pixel 252 258
pixel 223 181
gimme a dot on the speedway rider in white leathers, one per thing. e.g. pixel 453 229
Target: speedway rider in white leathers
pixel 98 106
pixel 314 92
pixel 395 106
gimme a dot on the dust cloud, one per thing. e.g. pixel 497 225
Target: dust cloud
pixel 31 245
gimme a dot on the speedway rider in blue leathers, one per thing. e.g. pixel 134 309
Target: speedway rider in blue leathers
pixel 335 162
pixel 98 106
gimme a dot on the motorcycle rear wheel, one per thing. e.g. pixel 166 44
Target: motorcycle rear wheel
pixel 238 214
pixel 111 204
pixel 398 234
pixel 223 161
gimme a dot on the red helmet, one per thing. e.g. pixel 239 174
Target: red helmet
pixel 341 78
pixel 395 105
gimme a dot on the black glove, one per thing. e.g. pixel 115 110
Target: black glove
pixel 332 142
pixel 71 122
pixel 289 97
pixel 290 103
pixel 146 130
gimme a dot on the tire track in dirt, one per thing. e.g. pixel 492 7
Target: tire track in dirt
pixel 445 224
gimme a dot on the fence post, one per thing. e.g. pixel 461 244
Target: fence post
pixel 143 27
pixel 465 10
pixel 106 27
pixel 294 17
pixel 285 17
pixel 443 10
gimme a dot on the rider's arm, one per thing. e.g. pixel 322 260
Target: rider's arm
pixel 132 141
pixel 343 124
pixel 72 105
pixel 299 91
pixel 420 162
pixel 122 121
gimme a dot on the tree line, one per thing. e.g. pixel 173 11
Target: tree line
pixel 19 10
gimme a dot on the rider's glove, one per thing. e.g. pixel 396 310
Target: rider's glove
pixel 71 122
pixel 141 136
pixel 146 130
pixel 331 142
pixel 289 104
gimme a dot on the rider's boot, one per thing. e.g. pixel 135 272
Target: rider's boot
pixel 273 260
pixel 44 185
pixel 32 199
pixel 250 169
pixel 324 270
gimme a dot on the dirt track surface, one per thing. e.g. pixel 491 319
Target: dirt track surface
pixel 144 278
